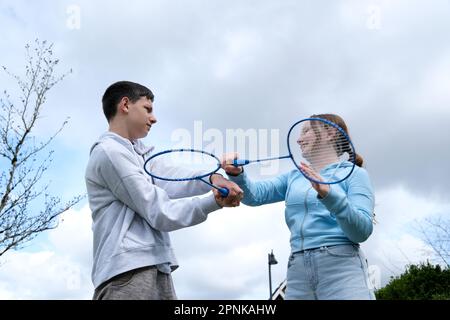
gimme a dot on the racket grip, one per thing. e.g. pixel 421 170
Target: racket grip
pixel 224 192
pixel 240 162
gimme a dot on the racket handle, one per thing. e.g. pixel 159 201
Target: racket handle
pixel 240 162
pixel 223 192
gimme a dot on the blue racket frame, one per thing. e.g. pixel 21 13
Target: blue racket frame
pixel 243 162
pixel 223 191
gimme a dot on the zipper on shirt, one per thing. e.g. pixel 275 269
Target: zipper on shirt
pixel 153 180
pixel 302 239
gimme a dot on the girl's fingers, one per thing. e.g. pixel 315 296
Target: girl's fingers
pixel 310 172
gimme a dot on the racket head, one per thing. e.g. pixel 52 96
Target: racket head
pixel 324 146
pixel 192 160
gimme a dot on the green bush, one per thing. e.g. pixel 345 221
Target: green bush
pixel 418 282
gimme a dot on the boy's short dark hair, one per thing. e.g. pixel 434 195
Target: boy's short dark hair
pixel 116 91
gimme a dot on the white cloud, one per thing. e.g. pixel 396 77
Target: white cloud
pixel 240 50
pixel 59 269
pixel 435 94
pixel 396 207
pixel 73 237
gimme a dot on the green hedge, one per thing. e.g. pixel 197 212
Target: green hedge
pixel 418 282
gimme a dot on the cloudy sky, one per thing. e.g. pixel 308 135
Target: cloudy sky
pixel 219 66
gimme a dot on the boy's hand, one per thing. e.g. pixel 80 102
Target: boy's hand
pixel 227 164
pixel 234 197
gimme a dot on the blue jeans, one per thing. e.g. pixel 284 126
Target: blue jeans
pixel 328 273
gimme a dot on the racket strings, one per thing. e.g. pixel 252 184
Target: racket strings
pixel 338 148
pixel 191 164
pixel 322 145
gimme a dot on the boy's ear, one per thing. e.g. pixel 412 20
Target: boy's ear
pixel 123 105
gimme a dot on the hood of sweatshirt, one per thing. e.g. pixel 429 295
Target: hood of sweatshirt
pixel 136 145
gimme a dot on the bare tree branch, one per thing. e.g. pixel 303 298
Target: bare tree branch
pixel 25 167
pixel 436 233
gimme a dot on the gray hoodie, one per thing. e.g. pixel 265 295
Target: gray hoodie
pixel 131 215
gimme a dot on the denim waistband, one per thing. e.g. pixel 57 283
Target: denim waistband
pixel 325 247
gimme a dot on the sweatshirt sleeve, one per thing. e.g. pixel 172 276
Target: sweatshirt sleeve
pixel 128 182
pixel 354 210
pixel 261 192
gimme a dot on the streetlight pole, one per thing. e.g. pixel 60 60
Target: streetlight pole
pixel 271 261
